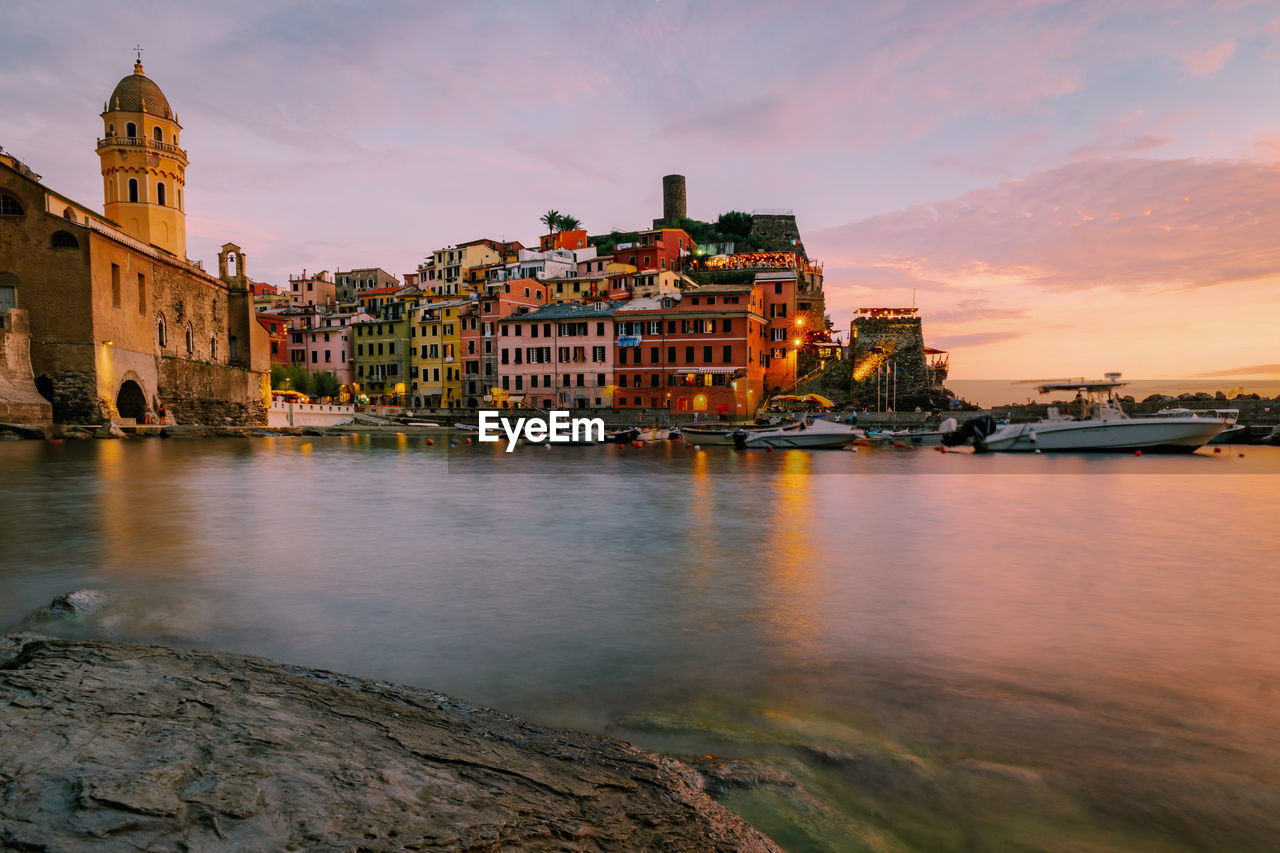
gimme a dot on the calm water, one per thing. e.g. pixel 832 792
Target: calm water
pixel 945 651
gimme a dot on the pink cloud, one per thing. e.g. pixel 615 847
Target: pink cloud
pixel 1125 224
pixel 1202 63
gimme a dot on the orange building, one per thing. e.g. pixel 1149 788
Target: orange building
pixel 277 326
pixel 696 351
pixel 659 249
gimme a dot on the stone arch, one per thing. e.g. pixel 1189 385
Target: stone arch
pixel 131 401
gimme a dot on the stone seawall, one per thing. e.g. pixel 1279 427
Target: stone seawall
pixel 123 747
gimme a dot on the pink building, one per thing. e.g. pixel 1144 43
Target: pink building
pixel 558 357
pixel 325 344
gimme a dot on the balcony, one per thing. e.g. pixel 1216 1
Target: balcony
pixel 141 142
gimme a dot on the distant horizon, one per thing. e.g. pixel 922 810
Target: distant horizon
pixel 1063 188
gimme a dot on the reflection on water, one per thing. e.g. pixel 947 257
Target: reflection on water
pixel 1081 661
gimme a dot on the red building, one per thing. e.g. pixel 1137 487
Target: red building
pixel 277 326
pixel 783 332
pixel 696 351
pixel 659 249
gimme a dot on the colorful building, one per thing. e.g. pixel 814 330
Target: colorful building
pixel 560 356
pixel 696 351
pixel 480 334
pixel 435 335
pixel 277 326
pixel 658 249
pixel 383 355
pixel 317 289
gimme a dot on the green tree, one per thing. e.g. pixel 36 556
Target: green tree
pixel 569 223
pixel 551 219
pixel 327 384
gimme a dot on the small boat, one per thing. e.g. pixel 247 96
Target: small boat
pixel 1100 426
pixel 466 427
pixel 722 434
pixel 655 434
pixel 929 438
pixel 807 435
pixel 622 436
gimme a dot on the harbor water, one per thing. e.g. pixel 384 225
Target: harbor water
pixel 919 650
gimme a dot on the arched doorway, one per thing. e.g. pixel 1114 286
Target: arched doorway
pixel 131 402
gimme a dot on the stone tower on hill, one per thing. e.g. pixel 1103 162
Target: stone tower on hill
pixel 778 230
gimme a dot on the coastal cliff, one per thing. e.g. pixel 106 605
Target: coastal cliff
pixel 125 747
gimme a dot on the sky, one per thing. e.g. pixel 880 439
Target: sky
pixel 1064 188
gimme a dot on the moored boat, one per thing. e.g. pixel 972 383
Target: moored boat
pixel 722 434
pixel 808 435
pixel 1101 425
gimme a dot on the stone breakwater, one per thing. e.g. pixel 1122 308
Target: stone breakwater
pixel 125 747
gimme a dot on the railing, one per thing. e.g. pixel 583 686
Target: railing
pixel 141 142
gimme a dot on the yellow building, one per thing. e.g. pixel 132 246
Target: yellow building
pixel 458 270
pixel 436 338
pixel 143 169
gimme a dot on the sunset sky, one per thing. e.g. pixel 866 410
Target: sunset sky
pixel 1068 187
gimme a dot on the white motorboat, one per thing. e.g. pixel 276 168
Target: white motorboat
pixel 722 435
pixel 655 434
pixel 1101 425
pixel 1230 417
pixel 808 435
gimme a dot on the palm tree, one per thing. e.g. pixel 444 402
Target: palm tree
pixel 570 223
pixel 551 219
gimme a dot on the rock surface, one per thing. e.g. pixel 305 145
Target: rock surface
pixel 81 602
pixel 124 747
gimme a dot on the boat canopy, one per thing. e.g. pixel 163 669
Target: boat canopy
pixel 1087 387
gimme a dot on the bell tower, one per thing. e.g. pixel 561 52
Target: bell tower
pixel 143 169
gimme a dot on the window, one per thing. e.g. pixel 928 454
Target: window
pixel 133 185
pixel 191 341
pixel 131 130
pixel 162 334
pixel 671 355
pixel 142 294
pixel 599 326
pixel 115 288
pixel 706 355
pixel 597 353
pixel 10 206
pixel 8 291
pixel 64 240
pixel 726 325
pixel 688 355
pixel 600 383
pixel 622 355
pixel 726 354
pixel 160 195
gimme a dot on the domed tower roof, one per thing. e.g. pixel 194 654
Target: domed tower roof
pixel 139 93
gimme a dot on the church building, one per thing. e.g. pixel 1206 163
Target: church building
pixel 121 322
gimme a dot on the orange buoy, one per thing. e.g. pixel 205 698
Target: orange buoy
pixel 431 441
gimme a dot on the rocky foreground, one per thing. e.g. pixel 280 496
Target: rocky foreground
pixel 112 746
